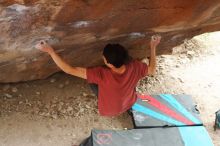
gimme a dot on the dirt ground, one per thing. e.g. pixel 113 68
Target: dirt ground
pixel 62 110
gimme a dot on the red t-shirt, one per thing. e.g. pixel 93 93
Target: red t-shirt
pixel 116 92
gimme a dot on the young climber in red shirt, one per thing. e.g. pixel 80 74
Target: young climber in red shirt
pixel 115 83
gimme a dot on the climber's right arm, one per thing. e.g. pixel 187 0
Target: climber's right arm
pixel 75 71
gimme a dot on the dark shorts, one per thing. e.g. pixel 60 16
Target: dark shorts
pixel 94 88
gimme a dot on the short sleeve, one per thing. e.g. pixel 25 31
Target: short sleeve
pixel 94 75
pixel 142 68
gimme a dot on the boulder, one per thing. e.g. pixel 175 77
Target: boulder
pixel 79 29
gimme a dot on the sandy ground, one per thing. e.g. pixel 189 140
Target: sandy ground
pixel 61 110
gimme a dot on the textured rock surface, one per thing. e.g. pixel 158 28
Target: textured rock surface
pixel 78 30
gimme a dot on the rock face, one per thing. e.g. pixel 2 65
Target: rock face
pixel 79 29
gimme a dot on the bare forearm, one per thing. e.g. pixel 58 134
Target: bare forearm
pixel 152 64
pixel 60 62
pixel 155 40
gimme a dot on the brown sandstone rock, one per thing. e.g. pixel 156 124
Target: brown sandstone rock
pixel 79 29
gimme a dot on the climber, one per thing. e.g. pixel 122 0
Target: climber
pixel 115 83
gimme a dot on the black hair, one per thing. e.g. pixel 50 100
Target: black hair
pixel 116 55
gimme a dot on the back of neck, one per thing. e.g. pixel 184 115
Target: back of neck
pixel 120 70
